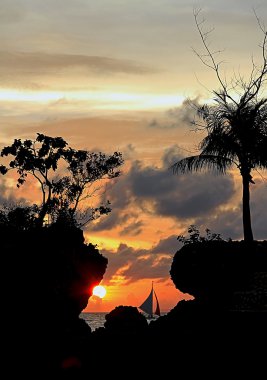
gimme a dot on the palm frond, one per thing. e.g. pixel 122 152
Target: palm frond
pixel 220 144
pixel 259 159
pixel 197 163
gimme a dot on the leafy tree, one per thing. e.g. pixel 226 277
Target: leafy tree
pixel 66 176
pixel 19 217
pixel 236 124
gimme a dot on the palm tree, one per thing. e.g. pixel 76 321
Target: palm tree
pixel 236 136
pixel 236 125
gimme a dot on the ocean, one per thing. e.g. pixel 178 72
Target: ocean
pixel 96 320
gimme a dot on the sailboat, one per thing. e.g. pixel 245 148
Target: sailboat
pixel 148 305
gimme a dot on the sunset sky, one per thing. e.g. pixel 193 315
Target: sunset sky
pixel 113 75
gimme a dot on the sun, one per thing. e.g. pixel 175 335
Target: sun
pixel 99 291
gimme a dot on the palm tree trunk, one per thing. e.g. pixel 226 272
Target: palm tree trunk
pixel 248 235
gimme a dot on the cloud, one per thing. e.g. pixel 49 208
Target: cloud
pixel 259 209
pixel 41 64
pixel 148 267
pixel 134 228
pixel 171 155
pixel 167 245
pixel 182 196
pixel 198 195
pixel 228 222
pixel 155 191
pixel 119 195
pixel 138 264
pixel 8 195
pixel 107 222
pixel 129 152
pixel 177 116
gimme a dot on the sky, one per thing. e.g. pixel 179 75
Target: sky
pixel 114 75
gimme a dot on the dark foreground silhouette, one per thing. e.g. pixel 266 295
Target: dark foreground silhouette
pixel 49 276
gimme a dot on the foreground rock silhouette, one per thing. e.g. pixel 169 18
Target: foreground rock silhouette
pixel 230 275
pixel 50 274
pixel 223 329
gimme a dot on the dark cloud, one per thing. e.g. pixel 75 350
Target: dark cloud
pixel 198 194
pixel 134 228
pixel 119 260
pixel 176 117
pixel 228 222
pixel 107 222
pixel 203 199
pixel 148 267
pixel 259 209
pixel 182 196
pixel 120 197
pixel 154 263
pixel 167 245
pixel 137 264
pixel 150 182
pixel 119 216
pixel 171 155
pixel 155 190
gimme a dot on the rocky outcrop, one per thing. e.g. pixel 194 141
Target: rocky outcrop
pixel 50 274
pixel 227 275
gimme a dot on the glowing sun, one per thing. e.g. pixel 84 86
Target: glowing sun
pixel 99 291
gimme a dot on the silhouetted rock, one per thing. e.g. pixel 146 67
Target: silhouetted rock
pixel 50 274
pixel 231 275
pixel 125 337
pixel 125 320
pixel 123 324
pixel 204 339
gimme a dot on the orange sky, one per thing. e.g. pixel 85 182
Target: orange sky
pixel 113 76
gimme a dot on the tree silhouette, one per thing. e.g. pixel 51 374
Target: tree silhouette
pixel 196 237
pixel 236 124
pixel 66 176
pixel 19 217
